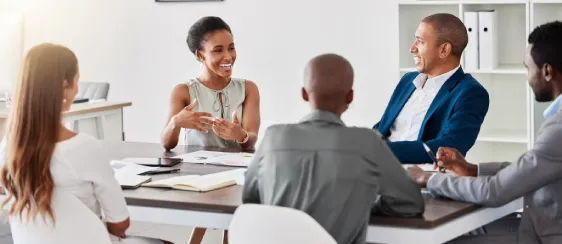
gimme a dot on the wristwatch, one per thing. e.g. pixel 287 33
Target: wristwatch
pixel 245 138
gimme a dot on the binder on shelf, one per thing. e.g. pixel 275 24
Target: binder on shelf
pixel 471 57
pixel 488 39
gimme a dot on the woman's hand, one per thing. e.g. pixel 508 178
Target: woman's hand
pixel 188 119
pixel 229 130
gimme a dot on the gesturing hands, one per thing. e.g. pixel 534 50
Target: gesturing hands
pixel 229 130
pixel 188 119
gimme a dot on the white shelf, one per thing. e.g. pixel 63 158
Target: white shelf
pixel 453 2
pixel 408 69
pixel 495 152
pixel 546 1
pixel 502 69
pixel 495 2
pixel 503 136
pixel 414 2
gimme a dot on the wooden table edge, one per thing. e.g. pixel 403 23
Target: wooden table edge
pixel 423 224
pixel 104 106
pixel 172 205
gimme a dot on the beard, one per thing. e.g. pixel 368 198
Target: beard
pixel 542 91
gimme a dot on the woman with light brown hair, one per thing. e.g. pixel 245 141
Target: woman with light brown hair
pixel 39 154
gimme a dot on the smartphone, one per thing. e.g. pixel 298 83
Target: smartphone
pixel 155 162
pixel 432 156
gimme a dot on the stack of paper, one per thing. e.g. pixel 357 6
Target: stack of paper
pixel 218 158
pixel 425 167
pixel 201 183
pixel 127 174
pixel 126 167
pixel 201 157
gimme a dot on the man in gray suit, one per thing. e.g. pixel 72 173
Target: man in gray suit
pixel 537 175
pixel 335 173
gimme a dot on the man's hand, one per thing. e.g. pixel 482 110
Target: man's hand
pixel 420 176
pixel 453 161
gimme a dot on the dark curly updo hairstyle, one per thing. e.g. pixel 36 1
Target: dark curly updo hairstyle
pixel 202 27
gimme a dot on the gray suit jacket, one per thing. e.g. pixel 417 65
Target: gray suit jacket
pixel 332 172
pixel 536 176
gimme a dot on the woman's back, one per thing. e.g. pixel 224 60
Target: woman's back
pixel 80 166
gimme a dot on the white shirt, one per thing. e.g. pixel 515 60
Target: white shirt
pixel 407 125
pixel 81 167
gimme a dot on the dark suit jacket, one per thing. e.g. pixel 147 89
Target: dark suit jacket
pixel 453 119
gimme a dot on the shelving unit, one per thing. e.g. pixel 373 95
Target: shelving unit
pixel 514 117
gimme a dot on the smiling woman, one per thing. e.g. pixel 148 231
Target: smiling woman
pixel 214 109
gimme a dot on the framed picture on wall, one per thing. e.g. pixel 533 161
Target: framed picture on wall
pixel 175 1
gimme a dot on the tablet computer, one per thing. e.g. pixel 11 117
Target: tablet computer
pixel 155 162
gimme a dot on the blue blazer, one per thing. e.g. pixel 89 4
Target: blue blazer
pixel 452 120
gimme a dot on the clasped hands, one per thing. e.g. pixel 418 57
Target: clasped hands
pixel 448 158
pixel 228 130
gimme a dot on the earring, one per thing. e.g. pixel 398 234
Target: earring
pixel 64 100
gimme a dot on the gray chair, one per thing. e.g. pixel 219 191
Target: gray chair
pixel 93 90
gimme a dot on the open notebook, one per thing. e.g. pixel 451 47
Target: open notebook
pixel 201 183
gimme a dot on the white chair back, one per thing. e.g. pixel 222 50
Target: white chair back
pixel 258 224
pixel 93 90
pixel 74 223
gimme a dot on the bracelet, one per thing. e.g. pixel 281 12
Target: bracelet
pixel 245 138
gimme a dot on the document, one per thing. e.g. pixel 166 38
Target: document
pixel 127 174
pixel 125 167
pixel 425 167
pixel 218 158
pixel 200 157
pixel 234 160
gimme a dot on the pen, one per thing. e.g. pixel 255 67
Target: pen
pixel 432 156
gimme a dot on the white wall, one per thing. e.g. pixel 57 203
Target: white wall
pixel 11 40
pixel 139 46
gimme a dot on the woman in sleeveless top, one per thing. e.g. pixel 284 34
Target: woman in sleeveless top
pixel 39 154
pixel 214 109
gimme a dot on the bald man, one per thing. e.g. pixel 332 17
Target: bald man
pixel 336 174
pixel 439 104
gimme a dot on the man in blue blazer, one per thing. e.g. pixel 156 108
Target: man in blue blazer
pixel 438 105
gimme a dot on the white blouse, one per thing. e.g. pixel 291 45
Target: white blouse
pixel 80 166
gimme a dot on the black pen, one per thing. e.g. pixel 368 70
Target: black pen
pixel 157 172
pixel 432 156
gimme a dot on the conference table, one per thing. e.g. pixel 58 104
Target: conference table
pixel 442 221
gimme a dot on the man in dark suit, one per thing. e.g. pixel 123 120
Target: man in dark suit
pixel 536 175
pixel 438 105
